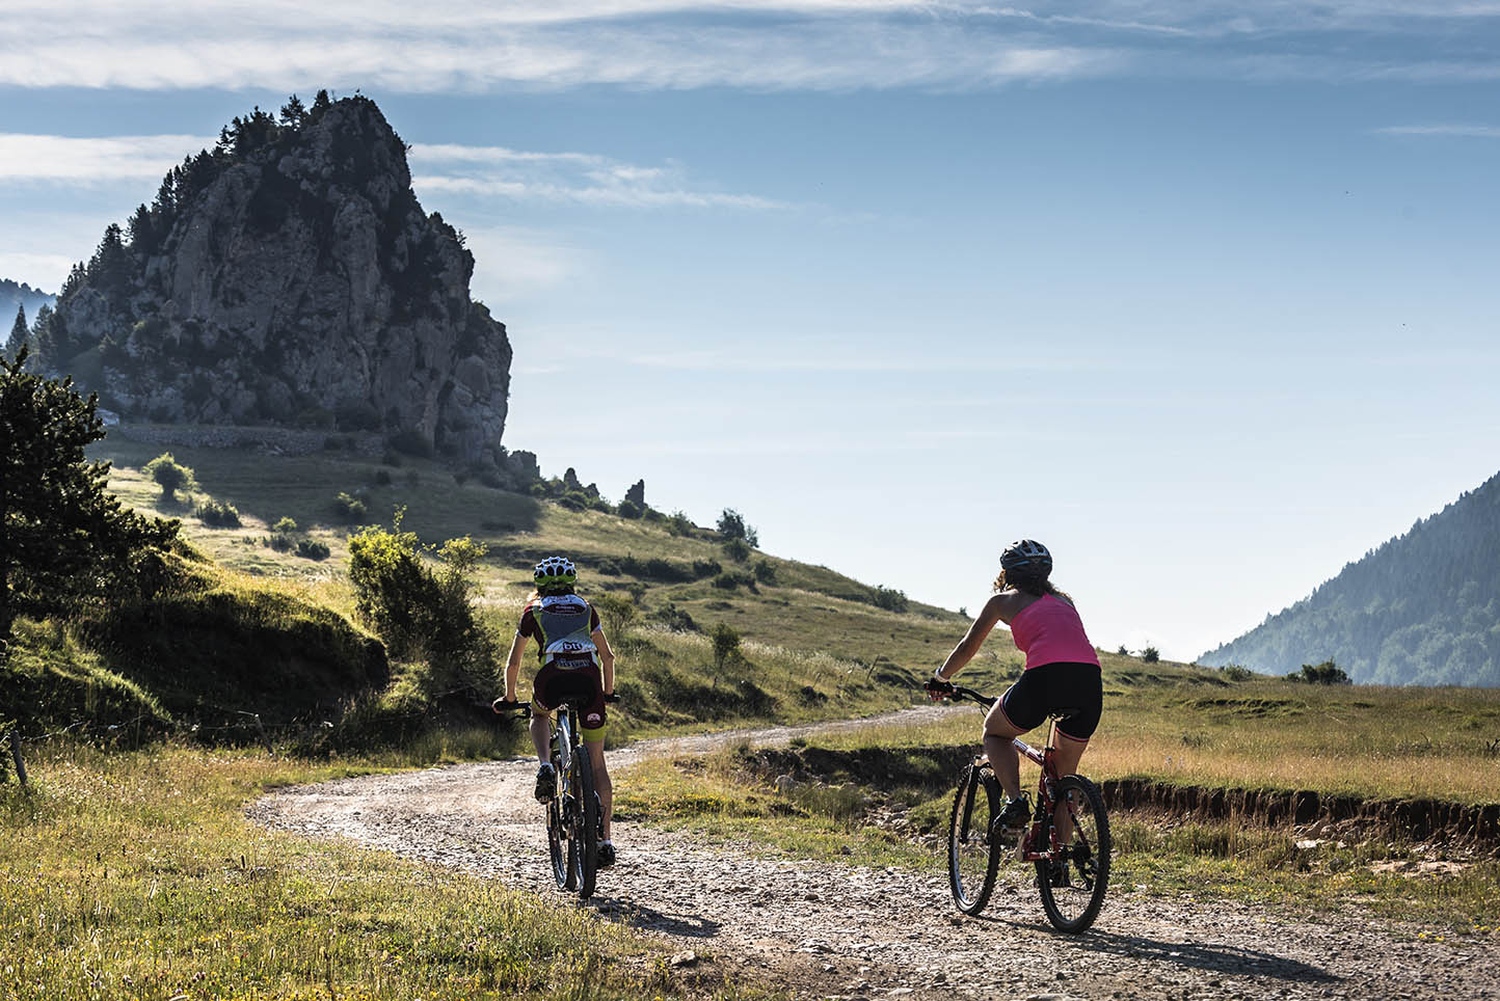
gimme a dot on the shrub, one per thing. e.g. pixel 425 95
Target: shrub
pixel 1150 655
pixel 765 571
pixel 166 473
pixel 889 599
pixel 616 612
pixel 732 526
pixel 350 508
pixel 679 523
pixel 422 614
pixel 737 549
pixel 1326 673
pixel 312 549
pixel 218 514
pixel 675 619
pixel 629 509
pixel 284 526
pixel 726 644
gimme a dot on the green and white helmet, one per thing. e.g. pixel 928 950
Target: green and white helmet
pixel 554 572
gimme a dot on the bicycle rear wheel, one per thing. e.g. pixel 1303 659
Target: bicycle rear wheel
pixel 973 859
pixel 585 834
pixel 1073 887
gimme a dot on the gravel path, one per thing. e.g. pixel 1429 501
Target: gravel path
pixel 823 930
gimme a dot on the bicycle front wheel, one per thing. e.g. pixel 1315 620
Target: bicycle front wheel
pixel 557 841
pixel 973 859
pixel 1073 884
pixel 584 837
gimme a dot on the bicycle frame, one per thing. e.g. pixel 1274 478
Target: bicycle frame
pixel 1046 802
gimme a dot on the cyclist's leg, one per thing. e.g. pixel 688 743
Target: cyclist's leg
pixel 999 731
pixel 542 705
pixel 1018 711
pixel 602 784
pixel 594 716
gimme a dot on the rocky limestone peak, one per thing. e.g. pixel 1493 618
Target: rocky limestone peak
pixel 289 277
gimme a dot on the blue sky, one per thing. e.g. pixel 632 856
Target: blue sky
pixel 1202 295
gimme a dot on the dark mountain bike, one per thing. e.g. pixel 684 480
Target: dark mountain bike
pixel 574 816
pixel 1067 839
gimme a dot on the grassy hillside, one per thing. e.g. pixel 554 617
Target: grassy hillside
pixel 814 643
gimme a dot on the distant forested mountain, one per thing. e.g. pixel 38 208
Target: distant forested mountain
pixel 14 296
pixel 1422 609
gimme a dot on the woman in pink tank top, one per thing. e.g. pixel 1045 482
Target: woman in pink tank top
pixel 1062 669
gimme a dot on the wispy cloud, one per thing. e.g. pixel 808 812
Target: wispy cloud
pixel 1454 131
pixel 70 160
pixel 446 45
pixel 577 178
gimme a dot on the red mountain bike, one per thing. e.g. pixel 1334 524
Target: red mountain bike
pixel 1067 839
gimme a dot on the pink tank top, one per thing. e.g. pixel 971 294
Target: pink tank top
pixel 1049 631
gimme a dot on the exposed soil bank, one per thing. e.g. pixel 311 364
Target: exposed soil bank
pixel 930 770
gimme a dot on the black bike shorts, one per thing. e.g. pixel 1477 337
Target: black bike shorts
pixel 1047 688
pixel 554 685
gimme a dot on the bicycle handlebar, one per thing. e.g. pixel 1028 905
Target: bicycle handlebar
pixel 501 707
pixel 948 690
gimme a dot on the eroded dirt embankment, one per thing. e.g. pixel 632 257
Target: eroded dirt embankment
pixel 929 770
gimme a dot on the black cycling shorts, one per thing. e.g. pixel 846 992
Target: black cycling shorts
pixel 554 684
pixel 1048 687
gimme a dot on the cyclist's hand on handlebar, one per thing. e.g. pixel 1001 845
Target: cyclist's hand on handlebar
pixel 938 688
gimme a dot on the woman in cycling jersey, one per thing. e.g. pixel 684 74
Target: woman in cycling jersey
pixel 1061 672
pixel 575 658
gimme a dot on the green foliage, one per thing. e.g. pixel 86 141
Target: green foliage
pixel 1326 673
pixel 313 549
pixel 350 508
pixel 726 640
pixel 166 473
pixel 732 526
pixel 63 538
pixel 1150 655
pixel 676 619
pixel 423 614
pixel 737 549
pixel 889 599
pixel 764 571
pixel 285 526
pixel 19 334
pixel 616 613
pixel 678 523
pixel 218 514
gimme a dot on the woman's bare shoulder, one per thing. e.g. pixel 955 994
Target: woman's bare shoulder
pixel 1007 604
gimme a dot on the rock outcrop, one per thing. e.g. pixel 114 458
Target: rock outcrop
pixel 289 277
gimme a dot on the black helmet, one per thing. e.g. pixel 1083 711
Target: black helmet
pixel 1026 559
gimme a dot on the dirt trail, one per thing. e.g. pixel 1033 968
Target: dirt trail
pixel 824 930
